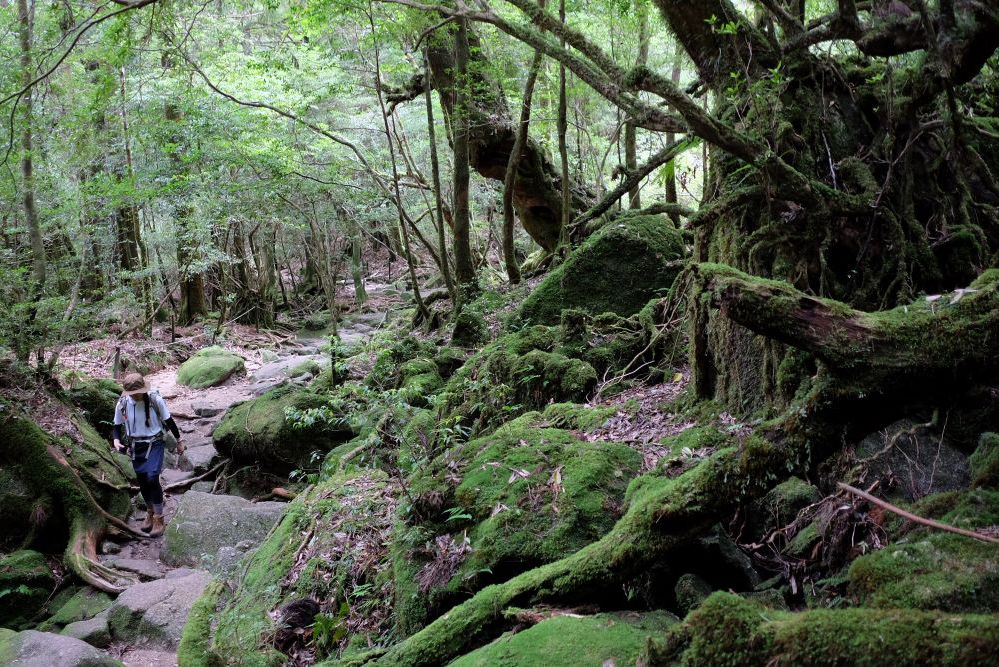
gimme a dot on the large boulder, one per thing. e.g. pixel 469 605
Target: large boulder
pixel 154 613
pixel 618 269
pixel 260 431
pixel 44 649
pixel 83 604
pixel 209 367
pixel 205 523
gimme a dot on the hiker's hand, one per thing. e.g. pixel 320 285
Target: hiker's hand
pixel 180 447
pixel 118 447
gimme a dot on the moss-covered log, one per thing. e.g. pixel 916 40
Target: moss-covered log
pixel 937 341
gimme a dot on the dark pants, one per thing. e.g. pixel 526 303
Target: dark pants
pixel 148 464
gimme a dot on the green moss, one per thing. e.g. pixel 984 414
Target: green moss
pixel 527 495
pixel 193 650
pixel 259 430
pixel 25 584
pixel 729 630
pixel 604 639
pixel 690 591
pixel 96 399
pixel 470 329
pixel 575 416
pixel 305 557
pixel 209 367
pixel 448 360
pixel 933 569
pixel 618 269
pixel 984 462
pixel 84 604
pixel 308 367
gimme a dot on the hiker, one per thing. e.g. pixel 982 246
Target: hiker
pixel 141 414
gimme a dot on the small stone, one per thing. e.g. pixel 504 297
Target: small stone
pixel 208 411
pixel 109 547
pixel 93 631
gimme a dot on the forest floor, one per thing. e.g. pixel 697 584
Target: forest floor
pixel 268 358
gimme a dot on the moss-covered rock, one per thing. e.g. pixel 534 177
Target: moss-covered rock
pixel 32 648
pixel 984 462
pixel 930 569
pixel 779 507
pixel 209 367
pixel 308 367
pixel 729 630
pixel 470 329
pixel 420 379
pixel 84 604
pixel 96 400
pixel 328 548
pixel 261 431
pixel 618 269
pixel 26 581
pixel 523 496
pixel 571 641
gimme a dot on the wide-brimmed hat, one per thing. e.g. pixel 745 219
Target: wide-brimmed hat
pixel 134 383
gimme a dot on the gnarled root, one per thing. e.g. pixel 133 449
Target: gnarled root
pixel 81 558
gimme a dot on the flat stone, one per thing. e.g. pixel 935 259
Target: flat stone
pixel 204 523
pixel 203 487
pixel 172 475
pixel 207 410
pixel 93 631
pixel 145 568
pixel 148 658
pixel 45 649
pixel 153 614
pixel 198 459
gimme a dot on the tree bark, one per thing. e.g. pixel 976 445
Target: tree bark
pixel 630 129
pixel 461 106
pixel 435 169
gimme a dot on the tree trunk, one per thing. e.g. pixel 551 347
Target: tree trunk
pixel 435 169
pixel 630 130
pixel 461 106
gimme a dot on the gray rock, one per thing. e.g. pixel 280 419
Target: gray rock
pixel 148 658
pixel 198 459
pixel 45 649
pixel 154 613
pixel 204 523
pixel 207 410
pixel 172 476
pixel 109 547
pixel 93 631
pixel 203 487
pixel 146 569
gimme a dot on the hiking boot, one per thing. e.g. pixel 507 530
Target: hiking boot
pixel 158 526
pixel 148 525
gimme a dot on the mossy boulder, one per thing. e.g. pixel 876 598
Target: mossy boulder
pixel 570 641
pixel 96 400
pixel 930 569
pixel 779 507
pixel 522 496
pixel 83 605
pixel 309 367
pixel 209 367
pixel 280 429
pixel 730 630
pixel 984 462
pixel 470 329
pixel 329 548
pixel 420 379
pixel 618 269
pixel 26 581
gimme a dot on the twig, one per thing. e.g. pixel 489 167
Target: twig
pixel 191 480
pixel 912 517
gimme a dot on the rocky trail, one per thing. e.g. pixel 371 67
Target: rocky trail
pixel 207 534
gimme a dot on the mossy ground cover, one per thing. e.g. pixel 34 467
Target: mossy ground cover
pixel 522 496
pixel 573 640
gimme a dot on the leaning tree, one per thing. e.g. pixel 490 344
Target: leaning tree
pixel 851 184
